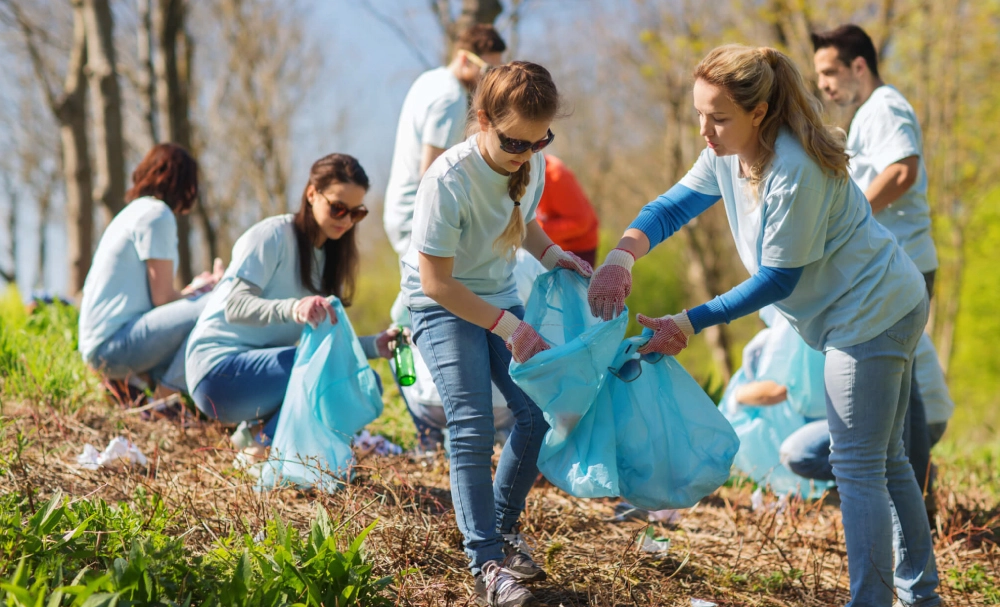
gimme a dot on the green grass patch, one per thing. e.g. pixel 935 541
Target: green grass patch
pixel 91 553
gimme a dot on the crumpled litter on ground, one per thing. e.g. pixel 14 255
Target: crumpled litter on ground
pixel 702 603
pixel 650 543
pixel 120 450
pixel 375 444
pixel 757 502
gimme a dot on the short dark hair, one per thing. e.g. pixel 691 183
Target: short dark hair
pixel 480 39
pixel 851 42
pixel 169 173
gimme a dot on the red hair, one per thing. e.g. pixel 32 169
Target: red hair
pixel 169 173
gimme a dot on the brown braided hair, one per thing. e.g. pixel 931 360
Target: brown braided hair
pixel 519 90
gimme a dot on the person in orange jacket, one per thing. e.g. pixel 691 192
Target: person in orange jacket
pixel 565 213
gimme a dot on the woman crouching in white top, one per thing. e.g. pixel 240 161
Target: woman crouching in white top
pixel 240 354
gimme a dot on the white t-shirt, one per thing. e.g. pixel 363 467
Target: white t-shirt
pixel 117 286
pixel 434 113
pixel 856 281
pixel 933 389
pixel 462 207
pixel 267 256
pixel 884 131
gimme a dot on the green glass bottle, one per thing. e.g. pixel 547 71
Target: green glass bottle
pixel 402 356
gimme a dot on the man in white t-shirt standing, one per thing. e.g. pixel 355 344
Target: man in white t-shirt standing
pixel 431 121
pixel 887 162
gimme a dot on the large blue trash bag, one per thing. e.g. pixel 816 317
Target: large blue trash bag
pixel 658 442
pixel 332 394
pixel 578 454
pixel 787 360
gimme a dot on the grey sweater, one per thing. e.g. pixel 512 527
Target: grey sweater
pixel 245 306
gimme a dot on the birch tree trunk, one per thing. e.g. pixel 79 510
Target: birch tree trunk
pixel 102 74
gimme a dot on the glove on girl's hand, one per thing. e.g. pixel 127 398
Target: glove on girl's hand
pixel 670 333
pixel 385 342
pixel 554 257
pixel 522 341
pixel 611 284
pixel 313 310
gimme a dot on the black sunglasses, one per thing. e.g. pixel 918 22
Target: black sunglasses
pixel 339 210
pixel 520 146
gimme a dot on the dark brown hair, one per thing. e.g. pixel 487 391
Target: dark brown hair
pixel 519 90
pixel 480 39
pixel 169 173
pixel 851 42
pixel 341 268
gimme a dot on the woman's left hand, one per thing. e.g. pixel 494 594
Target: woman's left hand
pixel 385 342
pixel 670 333
pixel 555 257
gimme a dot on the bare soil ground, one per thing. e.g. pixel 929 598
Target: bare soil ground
pixel 722 550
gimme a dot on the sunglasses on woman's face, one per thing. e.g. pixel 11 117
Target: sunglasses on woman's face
pixel 339 210
pixel 520 146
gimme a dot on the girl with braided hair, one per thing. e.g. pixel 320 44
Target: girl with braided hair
pixel 806 235
pixel 475 206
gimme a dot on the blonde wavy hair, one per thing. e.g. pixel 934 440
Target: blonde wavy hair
pixel 519 90
pixel 751 76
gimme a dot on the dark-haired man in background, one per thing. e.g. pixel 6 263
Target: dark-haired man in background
pixel 886 149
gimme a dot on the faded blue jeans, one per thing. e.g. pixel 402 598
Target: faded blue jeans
pixel 462 359
pixel 868 389
pixel 151 343
pixel 249 387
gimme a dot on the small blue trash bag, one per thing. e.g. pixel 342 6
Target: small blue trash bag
pixel 658 442
pixel 763 429
pixel 332 394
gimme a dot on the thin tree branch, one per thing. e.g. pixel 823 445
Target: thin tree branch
pixel 38 63
pixel 400 31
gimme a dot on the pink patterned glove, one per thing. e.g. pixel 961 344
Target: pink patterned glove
pixel 555 257
pixel 522 341
pixel 670 333
pixel 611 284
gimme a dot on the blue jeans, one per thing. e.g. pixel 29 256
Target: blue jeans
pixel 458 355
pixel 151 343
pixel 868 388
pixel 248 386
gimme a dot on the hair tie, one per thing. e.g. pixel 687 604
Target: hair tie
pixel 517 203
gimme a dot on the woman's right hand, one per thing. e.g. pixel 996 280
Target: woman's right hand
pixel 313 310
pixel 519 337
pixel 611 284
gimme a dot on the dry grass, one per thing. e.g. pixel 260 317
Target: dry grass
pixel 722 550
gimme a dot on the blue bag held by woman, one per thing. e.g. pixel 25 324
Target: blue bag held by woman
pixel 638 428
pixel 332 394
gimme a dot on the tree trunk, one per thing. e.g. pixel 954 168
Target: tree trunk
pixel 71 113
pixel 146 81
pixel 109 145
pixel 172 79
pixel 10 276
pixel 477 11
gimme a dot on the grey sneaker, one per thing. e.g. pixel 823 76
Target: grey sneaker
pixel 496 587
pixel 518 559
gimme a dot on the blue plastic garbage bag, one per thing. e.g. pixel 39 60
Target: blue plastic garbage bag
pixel 578 453
pixel 658 441
pixel 761 431
pixel 787 360
pixel 332 394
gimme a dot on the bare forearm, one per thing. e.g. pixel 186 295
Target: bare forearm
pixel 463 303
pixel 761 393
pixel 892 183
pixel 536 240
pixel 635 242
